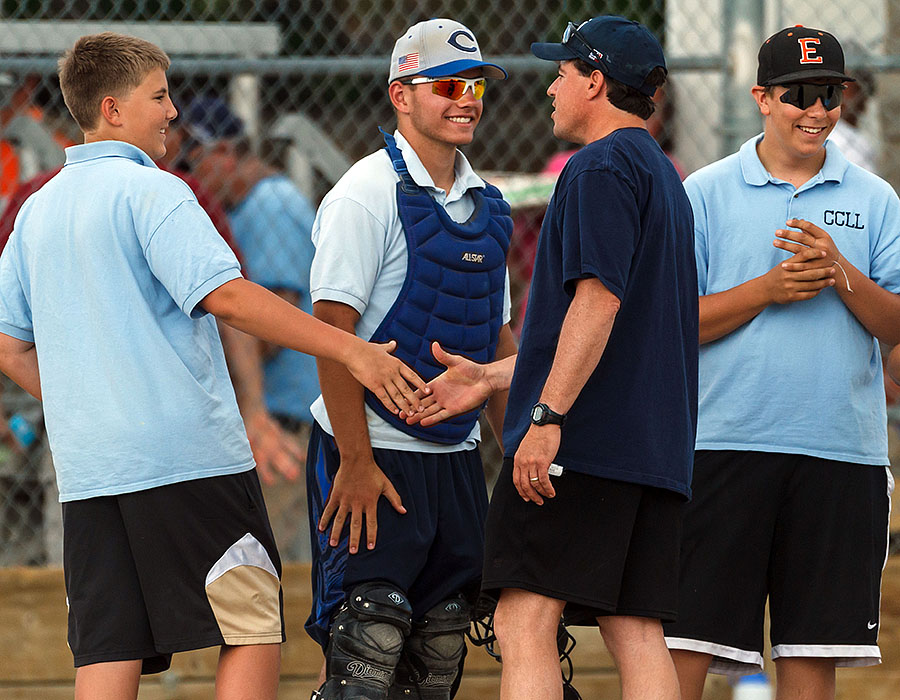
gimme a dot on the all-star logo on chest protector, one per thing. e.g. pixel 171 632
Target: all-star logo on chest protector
pixel 453 292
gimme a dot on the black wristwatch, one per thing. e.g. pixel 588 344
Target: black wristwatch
pixel 542 414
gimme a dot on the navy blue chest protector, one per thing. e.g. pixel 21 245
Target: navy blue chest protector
pixel 453 293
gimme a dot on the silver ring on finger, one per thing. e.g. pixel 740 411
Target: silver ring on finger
pixel 534 478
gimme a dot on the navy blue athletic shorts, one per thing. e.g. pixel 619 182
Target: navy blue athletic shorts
pixel 432 552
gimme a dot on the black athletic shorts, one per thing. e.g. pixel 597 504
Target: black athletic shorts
pixel 810 534
pixel 173 568
pixel 432 552
pixel 606 547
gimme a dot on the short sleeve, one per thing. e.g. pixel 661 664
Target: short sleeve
pixel 600 226
pixel 15 312
pixel 885 256
pixel 701 237
pixel 507 300
pixel 350 248
pixel 189 257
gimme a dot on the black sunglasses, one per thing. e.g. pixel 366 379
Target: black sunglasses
pixel 587 51
pixel 804 95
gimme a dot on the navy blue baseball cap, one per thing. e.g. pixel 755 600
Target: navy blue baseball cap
pixel 621 48
pixel 209 118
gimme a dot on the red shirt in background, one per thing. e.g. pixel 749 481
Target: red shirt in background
pixel 209 202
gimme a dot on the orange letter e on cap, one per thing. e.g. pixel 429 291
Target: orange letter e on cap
pixel 808 47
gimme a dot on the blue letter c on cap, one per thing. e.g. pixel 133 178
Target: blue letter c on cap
pixel 454 41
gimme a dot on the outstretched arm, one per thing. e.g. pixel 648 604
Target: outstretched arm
pixel 464 386
pixel 495 410
pixel 257 311
pixel 18 361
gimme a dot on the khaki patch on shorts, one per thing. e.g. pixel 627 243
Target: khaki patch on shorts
pixel 244 593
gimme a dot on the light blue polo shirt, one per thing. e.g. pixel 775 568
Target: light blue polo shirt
pixel 104 272
pixel 806 377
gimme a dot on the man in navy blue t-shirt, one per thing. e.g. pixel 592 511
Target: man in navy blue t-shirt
pixel 585 520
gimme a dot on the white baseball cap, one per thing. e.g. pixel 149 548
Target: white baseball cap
pixel 437 48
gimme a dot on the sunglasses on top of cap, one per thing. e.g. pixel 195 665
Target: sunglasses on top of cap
pixel 451 88
pixel 573 39
pixel 804 95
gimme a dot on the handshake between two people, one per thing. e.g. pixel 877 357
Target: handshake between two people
pixel 464 386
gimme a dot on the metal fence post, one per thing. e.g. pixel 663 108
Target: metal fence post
pixel 742 22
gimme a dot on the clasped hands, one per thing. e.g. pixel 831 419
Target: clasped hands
pixel 813 266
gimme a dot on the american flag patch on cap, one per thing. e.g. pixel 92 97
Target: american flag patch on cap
pixel 408 62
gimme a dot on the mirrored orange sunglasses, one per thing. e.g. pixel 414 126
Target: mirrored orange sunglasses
pixel 452 88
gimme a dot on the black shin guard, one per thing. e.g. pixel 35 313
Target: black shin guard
pixel 367 637
pixel 432 655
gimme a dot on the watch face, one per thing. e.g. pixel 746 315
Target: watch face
pixel 537 413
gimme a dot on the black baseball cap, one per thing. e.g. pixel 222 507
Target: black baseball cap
pixel 621 48
pixel 800 53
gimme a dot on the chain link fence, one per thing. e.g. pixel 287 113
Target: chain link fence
pixel 302 90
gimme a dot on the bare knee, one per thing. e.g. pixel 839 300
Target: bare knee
pixel 630 638
pixel 523 617
pixel 619 629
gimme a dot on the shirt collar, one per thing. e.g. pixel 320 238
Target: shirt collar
pixel 466 178
pixel 106 149
pixel 755 173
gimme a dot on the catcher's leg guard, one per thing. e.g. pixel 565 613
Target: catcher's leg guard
pixel 433 653
pixel 366 640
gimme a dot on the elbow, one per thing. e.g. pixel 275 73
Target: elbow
pixel 893 364
pixel 707 334
pixel 607 305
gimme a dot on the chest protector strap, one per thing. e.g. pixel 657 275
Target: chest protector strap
pixel 453 292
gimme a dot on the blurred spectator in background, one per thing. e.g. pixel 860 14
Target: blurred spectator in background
pixel 28 146
pixel 661 124
pixel 274 452
pixel 271 221
pixel 847 134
